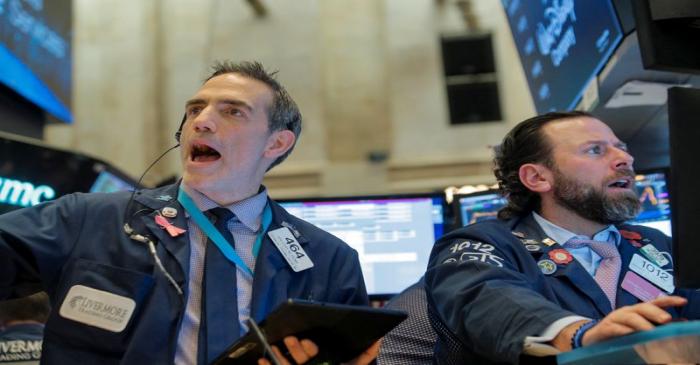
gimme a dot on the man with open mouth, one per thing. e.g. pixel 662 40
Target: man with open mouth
pixel 560 268
pixel 173 274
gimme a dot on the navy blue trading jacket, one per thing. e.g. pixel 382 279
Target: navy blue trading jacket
pixel 485 287
pixel 78 241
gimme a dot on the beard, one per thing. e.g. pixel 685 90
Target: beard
pixel 593 203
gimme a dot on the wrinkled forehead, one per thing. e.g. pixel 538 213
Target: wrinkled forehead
pixel 232 86
pixel 573 132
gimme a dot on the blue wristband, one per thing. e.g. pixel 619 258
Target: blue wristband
pixel 578 335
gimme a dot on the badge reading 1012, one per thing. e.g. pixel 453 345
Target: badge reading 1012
pixel 290 248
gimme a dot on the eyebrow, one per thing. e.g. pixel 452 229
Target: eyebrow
pixel 600 141
pixel 225 101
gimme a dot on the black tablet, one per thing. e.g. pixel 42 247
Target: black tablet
pixel 341 332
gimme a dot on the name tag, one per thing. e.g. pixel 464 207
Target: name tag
pixel 640 288
pixel 290 249
pixel 97 308
pixel 653 273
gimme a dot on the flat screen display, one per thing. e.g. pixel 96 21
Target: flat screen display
pixel 562 44
pixel 35 52
pixel 393 235
pixel 656 203
pixel 477 207
pixel 31 174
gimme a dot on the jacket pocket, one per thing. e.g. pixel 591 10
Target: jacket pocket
pixel 97 306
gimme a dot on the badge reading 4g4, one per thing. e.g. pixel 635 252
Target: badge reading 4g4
pixel 290 248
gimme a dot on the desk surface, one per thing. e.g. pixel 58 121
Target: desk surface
pixel 677 342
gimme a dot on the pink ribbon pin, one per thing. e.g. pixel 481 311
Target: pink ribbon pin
pixel 172 230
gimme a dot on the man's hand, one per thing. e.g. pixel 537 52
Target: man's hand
pixel 622 321
pixel 633 318
pixel 367 356
pixel 302 351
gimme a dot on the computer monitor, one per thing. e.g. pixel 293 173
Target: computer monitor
pixel 651 187
pixel 476 207
pixel 36 53
pixel 393 234
pixel 684 133
pixel 32 173
pixel 656 204
pixel 110 180
pixel 562 44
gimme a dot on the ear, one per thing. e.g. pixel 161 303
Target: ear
pixel 278 143
pixel 536 177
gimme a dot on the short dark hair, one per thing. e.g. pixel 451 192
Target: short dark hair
pixel 32 308
pixel 525 143
pixel 283 113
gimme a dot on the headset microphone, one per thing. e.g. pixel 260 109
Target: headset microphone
pixel 145 238
pixel 179 130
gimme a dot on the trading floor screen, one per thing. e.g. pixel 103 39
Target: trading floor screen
pixel 656 205
pixel 392 235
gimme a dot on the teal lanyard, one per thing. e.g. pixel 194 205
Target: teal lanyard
pixel 215 236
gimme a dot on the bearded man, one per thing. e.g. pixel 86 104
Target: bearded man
pixel 559 269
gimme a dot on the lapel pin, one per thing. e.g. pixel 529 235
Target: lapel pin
pixel 518 234
pixel 548 267
pixel 654 255
pixel 172 230
pixel 560 256
pixel 169 212
pixel 630 235
pixel 165 198
pixel 548 241
pixel 532 248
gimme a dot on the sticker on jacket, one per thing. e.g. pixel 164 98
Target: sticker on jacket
pixel 97 308
pixel 290 248
pixel 473 251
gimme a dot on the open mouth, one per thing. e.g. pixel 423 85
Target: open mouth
pixel 204 153
pixel 623 183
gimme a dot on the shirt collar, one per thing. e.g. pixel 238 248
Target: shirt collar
pixel 561 235
pixel 248 211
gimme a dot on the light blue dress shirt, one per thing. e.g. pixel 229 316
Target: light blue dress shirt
pixel 245 229
pixel 584 255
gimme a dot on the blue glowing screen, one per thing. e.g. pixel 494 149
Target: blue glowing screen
pixel 393 235
pixel 562 44
pixel 35 52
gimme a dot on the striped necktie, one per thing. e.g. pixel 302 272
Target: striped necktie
pixel 608 272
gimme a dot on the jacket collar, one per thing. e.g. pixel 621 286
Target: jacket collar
pixel 152 202
pixel 272 273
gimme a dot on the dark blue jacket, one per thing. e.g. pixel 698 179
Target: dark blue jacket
pixel 21 343
pixel 79 240
pixel 487 293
